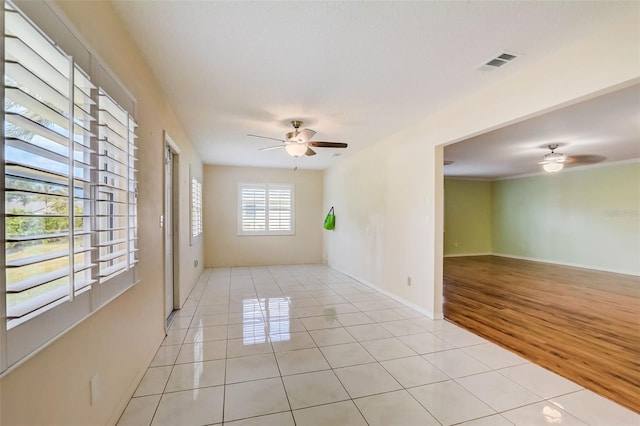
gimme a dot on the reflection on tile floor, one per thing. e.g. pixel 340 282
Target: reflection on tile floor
pixel 306 345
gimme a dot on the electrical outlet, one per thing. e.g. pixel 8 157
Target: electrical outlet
pixel 409 281
pixel 195 263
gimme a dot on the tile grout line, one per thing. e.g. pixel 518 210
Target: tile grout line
pixel 262 292
pixel 284 388
pixel 155 412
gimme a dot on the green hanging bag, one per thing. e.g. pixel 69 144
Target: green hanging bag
pixel 330 220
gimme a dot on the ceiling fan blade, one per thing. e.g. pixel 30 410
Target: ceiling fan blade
pixel 271 147
pixel 578 160
pixel 328 144
pixel 265 137
pixel 306 134
pixel 309 152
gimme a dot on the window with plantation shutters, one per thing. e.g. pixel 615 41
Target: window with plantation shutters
pixel 196 208
pixel 116 194
pixel 47 147
pixel 70 207
pixel 265 209
pixel 279 208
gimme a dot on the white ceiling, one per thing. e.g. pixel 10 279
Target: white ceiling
pixel 355 72
pixel 600 130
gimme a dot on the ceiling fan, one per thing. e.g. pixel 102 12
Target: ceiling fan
pixel 298 142
pixel 554 161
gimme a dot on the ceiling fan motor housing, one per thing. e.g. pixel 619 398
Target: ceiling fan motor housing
pixel 294 137
pixel 555 157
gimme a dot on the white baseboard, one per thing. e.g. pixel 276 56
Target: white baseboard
pixel 468 254
pixel 126 397
pixel 393 296
pixel 575 265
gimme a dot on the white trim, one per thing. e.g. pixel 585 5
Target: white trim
pixel 174 146
pixel 575 265
pixel 3 302
pixel 170 219
pixel 393 296
pixel 135 381
pixel 468 254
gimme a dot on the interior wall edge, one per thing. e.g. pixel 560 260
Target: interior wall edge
pixel 432 315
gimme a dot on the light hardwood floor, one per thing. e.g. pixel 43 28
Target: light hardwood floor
pixel 582 324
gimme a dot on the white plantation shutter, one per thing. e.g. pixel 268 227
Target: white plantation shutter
pixel 132 178
pixel 279 208
pixel 70 206
pixel 116 199
pixel 47 172
pixel 196 208
pixel 254 208
pixel 265 209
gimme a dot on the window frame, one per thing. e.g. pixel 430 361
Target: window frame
pixel 195 198
pixel 3 281
pixel 267 187
pixel 25 338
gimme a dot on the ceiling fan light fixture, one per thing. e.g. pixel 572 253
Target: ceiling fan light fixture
pixel 553 167
pixel 296 149
pixel 554 161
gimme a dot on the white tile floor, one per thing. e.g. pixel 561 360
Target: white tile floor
pixel 306 345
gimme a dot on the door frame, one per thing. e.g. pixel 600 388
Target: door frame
pixel 170 145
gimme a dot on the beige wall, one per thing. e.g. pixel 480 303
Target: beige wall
pixel 223 246
pixel 383 223
pixel 390 194
pixel 118 341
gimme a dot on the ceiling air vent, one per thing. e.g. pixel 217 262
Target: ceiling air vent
pixel 497 61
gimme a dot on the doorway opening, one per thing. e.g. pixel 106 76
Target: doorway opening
pixel 171 227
